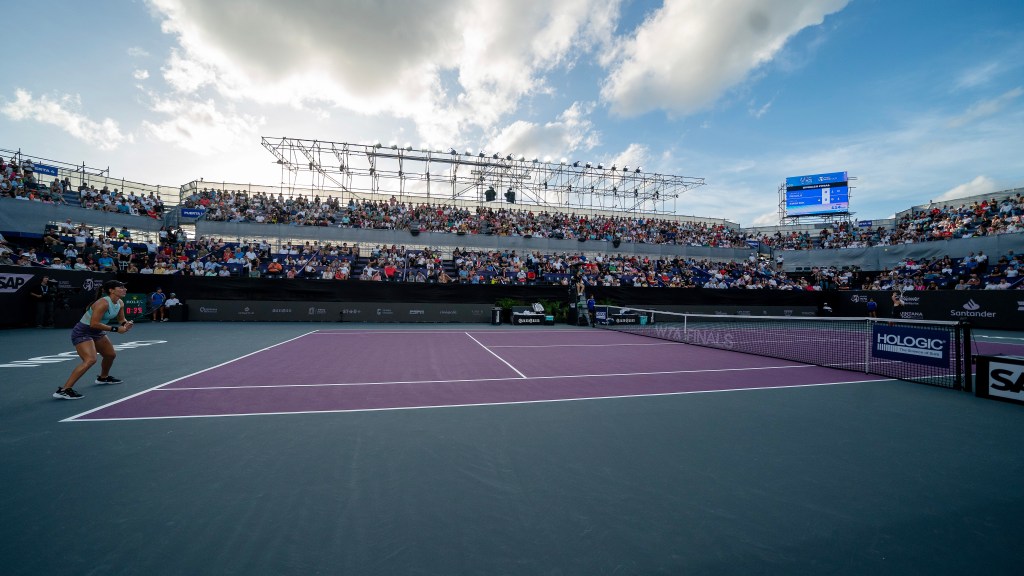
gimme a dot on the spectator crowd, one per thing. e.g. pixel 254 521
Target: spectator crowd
pixel 984 218
pixel 81 247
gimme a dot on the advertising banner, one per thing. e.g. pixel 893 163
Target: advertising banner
pixel 1001 378
pixel 263 311
pixel 74 291
pixel 909 344
pixel 44 170
pixel 296 311
pixel 1000 309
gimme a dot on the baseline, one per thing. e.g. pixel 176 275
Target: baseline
pixel 473 404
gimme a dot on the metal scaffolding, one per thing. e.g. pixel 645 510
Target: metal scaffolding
pixel 371 170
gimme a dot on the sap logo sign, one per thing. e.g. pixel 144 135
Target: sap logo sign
pixel 13 282
pixel 1006 380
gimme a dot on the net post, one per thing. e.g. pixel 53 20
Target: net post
pixel 867 346
pixel 965 354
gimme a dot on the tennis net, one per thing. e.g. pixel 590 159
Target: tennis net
pixel 930 352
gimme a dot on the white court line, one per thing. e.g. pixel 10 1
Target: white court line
pixel 463 380
pixel 479 404
pixel 586 345
pixel 984 337
pixel 158 386
pixel 521 375
pixel 360 332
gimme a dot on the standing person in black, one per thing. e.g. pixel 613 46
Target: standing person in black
pixel 44 295
pixel 897 304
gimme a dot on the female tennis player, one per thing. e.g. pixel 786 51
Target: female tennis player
pixel 90 337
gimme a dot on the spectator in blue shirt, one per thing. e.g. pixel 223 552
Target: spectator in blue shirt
pixel 156 303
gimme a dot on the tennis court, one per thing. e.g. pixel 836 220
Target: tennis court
pixel 341 370
pixel 304 449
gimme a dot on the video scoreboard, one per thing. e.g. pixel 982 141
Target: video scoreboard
pixel 818 194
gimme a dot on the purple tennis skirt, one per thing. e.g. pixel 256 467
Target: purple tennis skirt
pixel 83 333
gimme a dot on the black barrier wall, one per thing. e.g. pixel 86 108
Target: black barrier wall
pixel 318 311
pixel 75 292
pixel 472 303
pixel 999 309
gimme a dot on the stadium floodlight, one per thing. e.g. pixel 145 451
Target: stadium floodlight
pixel 576 164
pixel 614 167
pixel 600 166
pixel 589 165
pixel 453 151
pixel 547 159
pixel 625 168
pixel 496 156
pixel 378 145
pixel 523 158
pixel 637 169
pixel 509 157
pixel 469 152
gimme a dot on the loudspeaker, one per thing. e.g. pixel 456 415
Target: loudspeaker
pixel 616 242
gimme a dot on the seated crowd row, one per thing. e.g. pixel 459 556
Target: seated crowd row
pixel 77 248
pixel 19 181
pixel 976 219
pixel 966 220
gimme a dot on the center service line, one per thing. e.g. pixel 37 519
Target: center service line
pixel 521 375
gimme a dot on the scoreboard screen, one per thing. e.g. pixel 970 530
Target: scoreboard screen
pixel 134 304
pixel 818 194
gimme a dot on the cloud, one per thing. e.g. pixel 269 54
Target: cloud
pixel 572 132
pixel 634 156
pixel 201 127
pixel 140 74
pixel 986 108
pixel 689 52
pixel 980 185
pixel 895 168
pixel 759 112
pixel 450 67
pixel 977 76
pixel 767 219
pixel 137 52
pixel 62 112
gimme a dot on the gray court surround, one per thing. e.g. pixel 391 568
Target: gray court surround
pixel 881 477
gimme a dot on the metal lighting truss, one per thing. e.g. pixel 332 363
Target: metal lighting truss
pixel 375 171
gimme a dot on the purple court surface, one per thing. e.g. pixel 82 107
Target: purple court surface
pixel 350 370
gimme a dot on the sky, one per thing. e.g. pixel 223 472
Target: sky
pixel 919 100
